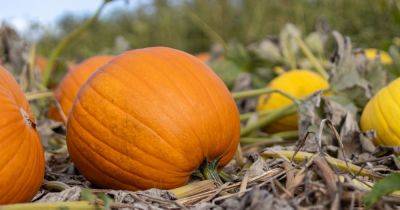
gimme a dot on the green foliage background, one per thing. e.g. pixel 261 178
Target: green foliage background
pixel 169 23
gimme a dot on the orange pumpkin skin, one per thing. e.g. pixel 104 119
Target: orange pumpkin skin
pixel 21 153
pixel 150 118
pixel 69 86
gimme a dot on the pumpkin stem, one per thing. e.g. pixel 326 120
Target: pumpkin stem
pixel 209 170
pixel 27 119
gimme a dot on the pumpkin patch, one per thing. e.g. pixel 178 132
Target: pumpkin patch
pixel 200 105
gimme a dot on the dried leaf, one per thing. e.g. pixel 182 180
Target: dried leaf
pixel 71 194
pixel 267 50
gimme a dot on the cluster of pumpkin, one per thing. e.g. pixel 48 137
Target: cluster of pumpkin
pixel 149 118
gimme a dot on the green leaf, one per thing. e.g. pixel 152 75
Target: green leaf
pixel 226 70
pixel 106 199
pixel 87 195
pixel 383 187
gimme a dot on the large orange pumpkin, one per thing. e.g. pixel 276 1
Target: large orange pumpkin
pixel 150 118
pixel 21 154
pixel 72 82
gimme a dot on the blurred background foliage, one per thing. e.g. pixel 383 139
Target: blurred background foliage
pixel 174 23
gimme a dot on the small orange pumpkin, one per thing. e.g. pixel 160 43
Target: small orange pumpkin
pixel 72 82
pixel 40 63
pixel 204 56
pixel 21 153
pixel 150 118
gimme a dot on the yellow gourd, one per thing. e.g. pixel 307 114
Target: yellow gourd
pixel 298 83
pixel 382 115
pixel 384 57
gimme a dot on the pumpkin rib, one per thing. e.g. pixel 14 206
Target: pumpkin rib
pixel 388 125
pixel 85 160
pixel 206 91
pixel 112 133
pixel 184 96
pixel 151 88
pixel 21 173
pixel 8 139
pixel 137 120
pixel 7 108
pixel 13 95
pixel 227 156
pixel 10 192
pixel 12 158
pixel 9 123
pixel 397 108
pixel 366 122
pixel 7 92
pixel 75 80
pixel 390 92
pixel 68 88
pixel 128 157
pixel 89 164
pixel 66 95
pixel 7 95
pixel 112 164
pixel 205 88
pixel 30 175
pixel 199 141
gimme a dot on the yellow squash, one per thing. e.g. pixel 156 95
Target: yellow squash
pixel 384 57
pixel 298 83
pixel 382 115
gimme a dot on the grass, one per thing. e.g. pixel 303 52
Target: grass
pixel 172 23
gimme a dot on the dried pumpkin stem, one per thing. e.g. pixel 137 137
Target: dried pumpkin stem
pixel 256 92
pixel 271 117
pixel 261 91
pixel 193 188
pixel 274 138
pixel 55 186
pixel 54 205
pixel 209 170
pixel 248 115
pixel 38 95
pixel 302 156
pixel 67 40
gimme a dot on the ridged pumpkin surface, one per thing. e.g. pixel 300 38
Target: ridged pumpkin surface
pixel 371 54
pixel 21 153
pixel 72 82
pixel 298 83
pixel 382 115
pixel 149 118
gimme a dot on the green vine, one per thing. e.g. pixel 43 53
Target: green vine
pixel 54 55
